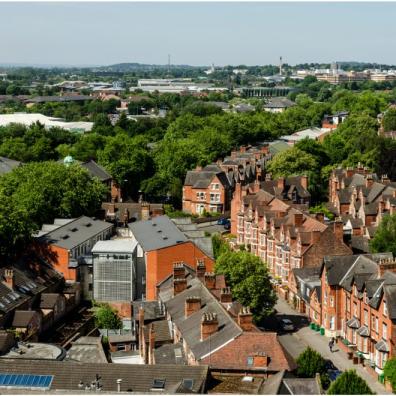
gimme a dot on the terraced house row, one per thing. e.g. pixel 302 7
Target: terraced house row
pixel 353 298
pixel 271 219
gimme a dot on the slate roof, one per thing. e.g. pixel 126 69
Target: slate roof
pixel 157 233
pixel 48 300
pixel 338 266
pixel 87 350
pixel 170 354
pixel 152 310
pixel 134 209
pixel 203 178
pixel 95 170
pixel 282 103
pixel 190 327
pixel 307 273
pixel 137 378
pixel 360 243
pixel 161 330
pixel 75 232
pixel 23 318
pixel 7 165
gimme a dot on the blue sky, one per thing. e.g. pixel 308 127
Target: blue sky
pixel 196 33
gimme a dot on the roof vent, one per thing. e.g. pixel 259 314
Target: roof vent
pixel 88 224
pixel 154 224
pixel 179 241
pixel 159 231
pixel 164 237
pixel 158 384
pixel 74 229
pixel 65 236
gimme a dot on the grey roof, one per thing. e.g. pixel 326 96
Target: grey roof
pixel 152 310
pixel 190 327
pixel 87 350
pixel 353 323
pixel 360 243
pixel 275 103
pixel 157 233
pixel 48 300
pixel 382 346
pixel 23 318
pixel 307 273
pixel 338 266
pixel 302 386
pixel 170 354
pixel 76 232
pixel 126 245
pixel 364 331
pixel 8 165
pixel 95 170
pixel 115 338
pixel 137 378
pixel 66 98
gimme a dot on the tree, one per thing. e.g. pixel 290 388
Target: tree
pixel 292 162
pixel 309 363
pixel 385 237
pixel 389 120
pixel 349 383
pixel 107 318
pixel 249 280
pixel 390 372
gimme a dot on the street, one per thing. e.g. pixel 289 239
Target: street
pixel 295 343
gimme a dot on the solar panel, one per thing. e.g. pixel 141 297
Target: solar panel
pixel 25 380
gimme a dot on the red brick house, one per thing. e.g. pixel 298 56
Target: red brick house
pixel 358 294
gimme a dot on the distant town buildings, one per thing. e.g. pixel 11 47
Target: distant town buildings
pixel 28 119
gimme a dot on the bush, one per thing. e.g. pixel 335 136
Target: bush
pixel 309 363
pixel 390 372
pixel 349 383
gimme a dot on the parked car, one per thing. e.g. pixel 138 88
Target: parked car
pixel 287 325
pixel 223 221
pixel 332 371
pixel 227 226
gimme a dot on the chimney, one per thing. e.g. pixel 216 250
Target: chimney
pixel 192 305
pixel 281 183
pixel 201 268
pixel 141 326
pixel 369 181
pixel 320 217
pixel 349 171
pixel 242 149
pixel 233 154
pixel 179 285
pixel 298 219
pixel 360 168
pixel 260 359
pixel 209 325
pixel 338 228
pixel 9 278
pixel 256 186
pixel 225 295
pixel 210 280
pixel 111 209
pixel 304 181
pixel 268 177
pixel 245 319
pixel 385 265
pixel 178 270
pixel 145 207
pixel 315 236
pixel 151 344
pixel 265 149
pixel 385 179
pixel 198 168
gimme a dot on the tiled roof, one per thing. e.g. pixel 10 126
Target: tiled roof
pixel 136 378
pixel 23 318
pixel 190 327
pixel 235 354
pixel 95 170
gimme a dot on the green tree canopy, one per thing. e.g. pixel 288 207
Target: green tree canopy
pixel 107 318
pixel 309 363
pixel 390 372
pixel 249 280
pixel 385 237
pixel 349 383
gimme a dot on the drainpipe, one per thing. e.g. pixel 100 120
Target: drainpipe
pixel 119 385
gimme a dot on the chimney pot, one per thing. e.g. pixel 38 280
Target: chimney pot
pixel 209 325
pixel 9 278
pixel 225 295
pixel 210 280
pixel 179 270
pixel 245 319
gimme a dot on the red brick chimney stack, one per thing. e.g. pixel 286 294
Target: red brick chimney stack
pixel 298 219
pixel 201 268
pixel 178 270
pixel 245 319
pixel 210 280
pixel 179 285
pixel 192 305
pixel 388 264
pixel 225 295
pixel 151 344
pixel 209 325
pixel 9 278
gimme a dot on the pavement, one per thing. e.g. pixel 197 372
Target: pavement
pixel 297 341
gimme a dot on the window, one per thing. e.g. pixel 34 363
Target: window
pixel 331 301
pixel 120 347
pixel 201 196
pixel 215 186
pixel 376 325
pixel 385 309
pixel 250 361
pixel 355 309
pixel 384 331
pixel 325 298
pixel 348 305
pixel 332 323
pixel 365 317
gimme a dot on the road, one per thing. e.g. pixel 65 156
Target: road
pixel 297 341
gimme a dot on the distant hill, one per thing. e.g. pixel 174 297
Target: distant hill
pixel 130 67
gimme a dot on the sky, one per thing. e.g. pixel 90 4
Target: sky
pixel 196 33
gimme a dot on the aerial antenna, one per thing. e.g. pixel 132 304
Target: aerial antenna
pixel 169 60
pixel 280 65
